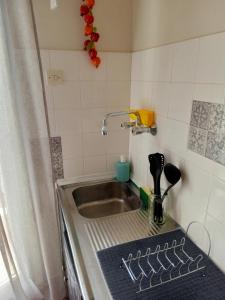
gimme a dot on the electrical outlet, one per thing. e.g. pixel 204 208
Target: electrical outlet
pixel 55 77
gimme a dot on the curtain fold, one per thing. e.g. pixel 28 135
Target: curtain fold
pixel 30 245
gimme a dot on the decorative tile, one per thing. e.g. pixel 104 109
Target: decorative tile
pixel 200 114
pixel 201 142
pixel 204 115
pixel 212 147
pixel 221 159
pixel 57 159
pixel 216 116
pixel 193 132
pixel 207 130
pixel 222 128
pixel 197 140
pixel 195 114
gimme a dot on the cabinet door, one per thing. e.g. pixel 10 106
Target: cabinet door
pixel 72 282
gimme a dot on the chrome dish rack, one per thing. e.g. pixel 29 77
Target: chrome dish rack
pixel 164 264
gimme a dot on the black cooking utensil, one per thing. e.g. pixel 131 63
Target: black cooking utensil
pixel 173 175
pixel 156 161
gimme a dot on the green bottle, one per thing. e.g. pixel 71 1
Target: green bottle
pixel 122 170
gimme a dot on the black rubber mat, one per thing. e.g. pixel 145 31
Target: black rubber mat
pixel 205 284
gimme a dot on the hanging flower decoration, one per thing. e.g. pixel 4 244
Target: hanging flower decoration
pixel 90 31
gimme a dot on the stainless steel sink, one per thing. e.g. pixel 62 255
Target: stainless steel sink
pixel 105 199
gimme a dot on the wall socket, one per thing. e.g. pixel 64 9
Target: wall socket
pixel 55 77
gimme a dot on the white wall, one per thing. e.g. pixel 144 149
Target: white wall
pixel 160 22
pixel 76 109
pixel 167 79
pixel 62 28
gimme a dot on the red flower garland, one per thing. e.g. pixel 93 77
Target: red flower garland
pixel 90 31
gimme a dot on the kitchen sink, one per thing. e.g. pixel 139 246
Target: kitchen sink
pixel 105 199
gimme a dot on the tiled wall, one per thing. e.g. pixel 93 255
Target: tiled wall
pixel 77 106
pixel 168 79
pixel 207 130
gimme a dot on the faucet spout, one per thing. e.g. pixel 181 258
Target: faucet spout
pixel 104 129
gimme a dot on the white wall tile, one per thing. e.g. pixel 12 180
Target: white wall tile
pixel 138 170
pixel 72 146
pixel 216 231
pixel 218 170
pixel 67 61
pixel 141 93
pixel 118 94
pixel 68 122
pixel 160 98
pixel 160 138
pixel 189 201
pixel 137 66
pixel 209 93
pixel 90 72
pixel 162 63
pixel 216 206
pixel 142 65
pixel 117 142
pixel 94 144
pixel 67 95
pixel 184 61
pixel 211 61
pixel 180 103
pixel 176 136
pixel 93 94
pixel 73 167
pixel 118 66
pixel 95 164
pixel 199 161
pixel 92 119
pixel 148 62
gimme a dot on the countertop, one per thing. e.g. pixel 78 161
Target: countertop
pixel 87 236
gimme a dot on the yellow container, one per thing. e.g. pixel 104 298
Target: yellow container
pixel 147 117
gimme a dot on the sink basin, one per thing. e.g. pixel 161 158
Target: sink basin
pixel 105 199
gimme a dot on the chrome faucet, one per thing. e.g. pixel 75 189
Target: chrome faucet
pixel 137 126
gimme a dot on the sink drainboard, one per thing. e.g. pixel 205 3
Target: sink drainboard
pixel 107 232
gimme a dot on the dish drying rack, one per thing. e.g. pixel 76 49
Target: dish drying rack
pixel 165 264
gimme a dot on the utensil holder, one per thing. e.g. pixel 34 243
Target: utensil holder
pixel 164 209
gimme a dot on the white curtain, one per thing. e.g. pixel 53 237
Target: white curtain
pixel 30 257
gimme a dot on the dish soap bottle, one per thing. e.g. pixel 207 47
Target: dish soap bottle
pixel 122 170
